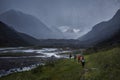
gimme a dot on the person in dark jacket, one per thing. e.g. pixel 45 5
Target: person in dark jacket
pixel 82 59
pixel 70 55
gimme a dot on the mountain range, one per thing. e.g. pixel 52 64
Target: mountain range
pixel 28 24
pixel 103 31
pixel 18 29
pixel 10 37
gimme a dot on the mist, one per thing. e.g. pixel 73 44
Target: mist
pixel 78 14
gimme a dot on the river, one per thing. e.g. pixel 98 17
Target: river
pixel 17 59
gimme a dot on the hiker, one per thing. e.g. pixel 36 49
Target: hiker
pixel 70 56
pixel 75 56
pixel 79 58
pixel 82 61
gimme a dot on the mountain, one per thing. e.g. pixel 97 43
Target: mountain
pixel 114 40
pixel 27 24
pixel 31 40
pixel 73 43
pixel 10 37
pixel 102 31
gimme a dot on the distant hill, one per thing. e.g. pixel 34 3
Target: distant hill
pixel 104 31
pixel 26 23
pixel 10 37
pixel 60 43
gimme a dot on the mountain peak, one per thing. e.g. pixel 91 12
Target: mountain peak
pixel 27 23
pixel 11 11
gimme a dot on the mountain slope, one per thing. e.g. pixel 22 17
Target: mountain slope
pixel 57 33
pixel 26 24
pixel 102 31
pixel 31 40
pixel 10 37
pixel 110 42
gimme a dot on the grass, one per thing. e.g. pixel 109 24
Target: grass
pixel 103 65
pixel 60 70
pixel 106 65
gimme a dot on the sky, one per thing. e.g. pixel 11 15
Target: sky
pixel 81 14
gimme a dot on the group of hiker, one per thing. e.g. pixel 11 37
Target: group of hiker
pixel 79 57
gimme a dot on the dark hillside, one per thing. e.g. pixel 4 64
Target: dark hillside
pixel 103 31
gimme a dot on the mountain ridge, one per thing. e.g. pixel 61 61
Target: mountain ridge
pixel 102 31
pixel 27 23
pixel 10 37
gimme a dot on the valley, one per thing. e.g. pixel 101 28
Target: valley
pixel 59 39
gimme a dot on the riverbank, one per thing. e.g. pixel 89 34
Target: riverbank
pixel 103 65
pixel 20 59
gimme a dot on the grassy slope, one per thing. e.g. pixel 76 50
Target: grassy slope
pixel 106 65
pixel 100 66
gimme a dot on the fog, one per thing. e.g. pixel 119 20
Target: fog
pixel 80 14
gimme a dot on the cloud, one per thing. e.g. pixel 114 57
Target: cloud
pixel 76 30
pixel 63 28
